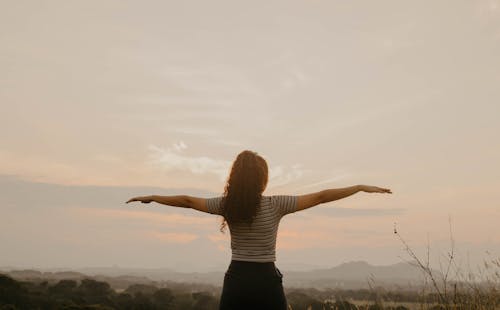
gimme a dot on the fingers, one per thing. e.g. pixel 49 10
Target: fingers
pixel 141 199
pixel 381 190
pixel 374 189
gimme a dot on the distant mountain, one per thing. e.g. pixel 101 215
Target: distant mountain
pixel 357 274
pixel 359 270
pixel 117 282
pixel 351 275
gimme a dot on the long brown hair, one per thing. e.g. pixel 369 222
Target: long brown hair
pixel 244 187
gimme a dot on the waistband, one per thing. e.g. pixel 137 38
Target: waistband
pixel 252 269
pixel 257 266
pixel 248 263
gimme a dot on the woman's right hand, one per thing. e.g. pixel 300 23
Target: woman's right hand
pixel 374 189
pixel 143 199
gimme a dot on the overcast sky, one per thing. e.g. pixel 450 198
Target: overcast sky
pixel 404 95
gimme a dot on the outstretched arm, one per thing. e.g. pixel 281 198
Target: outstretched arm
pixel 339 193
pixel 181 201
pixel 327 195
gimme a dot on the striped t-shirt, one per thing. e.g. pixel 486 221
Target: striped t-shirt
pixel 257 242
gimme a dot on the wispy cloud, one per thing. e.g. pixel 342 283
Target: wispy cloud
pixel 180 146
pixel 298 238
pixel 214 79
pixel 220 240
pixel 181 238
pixel 288 73
pixel 281 175
pixel 170 219
pixel 294 240
pixel 172 158
pixel 204 132
pixel 294 77
pixel 326 181
pixel 229 142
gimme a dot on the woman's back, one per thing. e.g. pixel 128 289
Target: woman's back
pixel 256 242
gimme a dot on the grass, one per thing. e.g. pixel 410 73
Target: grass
pixel 452 287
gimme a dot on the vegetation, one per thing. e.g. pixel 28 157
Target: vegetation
pixel 449 289
pixel 93 294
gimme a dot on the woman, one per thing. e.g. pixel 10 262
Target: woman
pixel 252 281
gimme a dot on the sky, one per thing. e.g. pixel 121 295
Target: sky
pixel 163 95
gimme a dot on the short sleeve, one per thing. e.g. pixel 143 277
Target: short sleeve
pixel 285 204
pixel 214 205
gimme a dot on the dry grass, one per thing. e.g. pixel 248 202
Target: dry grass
pixel 467 290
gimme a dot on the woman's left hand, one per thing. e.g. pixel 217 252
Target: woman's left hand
pixel 143 199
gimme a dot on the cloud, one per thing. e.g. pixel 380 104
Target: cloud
pixel 220 240
pixel 171 159
pixel 326 181
pixel 170 219
pixel 489 8
pixel 211 79
pixel 287 73
pixel 218 237
pixel 204 132
pixel 356 212
pixel 280 175
pixel 294 78
pixel 181 238
pixel 229 143
pixel 301 237
pixel 294 240
pixel 180 146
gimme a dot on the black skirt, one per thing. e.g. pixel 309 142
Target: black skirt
pixel 251 285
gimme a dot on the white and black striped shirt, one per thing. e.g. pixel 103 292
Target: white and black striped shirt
pixel 257 242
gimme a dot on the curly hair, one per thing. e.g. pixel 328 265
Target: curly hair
pixel 244 187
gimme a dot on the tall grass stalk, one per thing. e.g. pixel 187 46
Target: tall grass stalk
pixel 466 291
